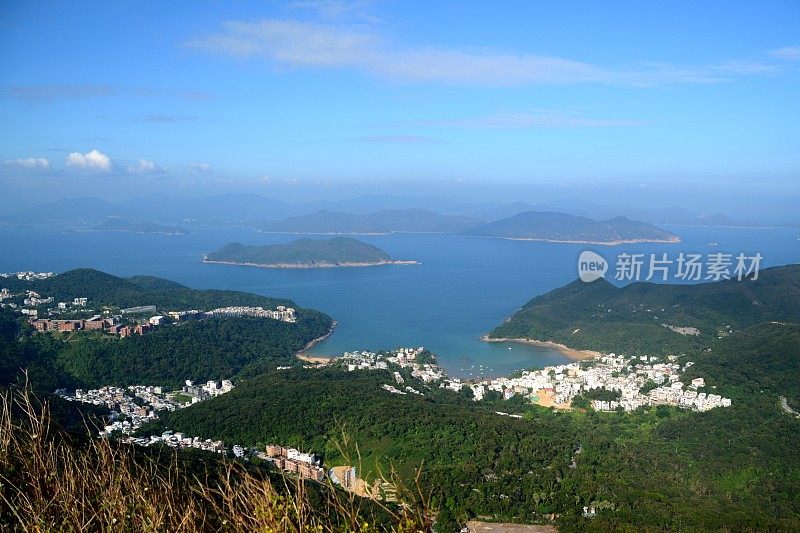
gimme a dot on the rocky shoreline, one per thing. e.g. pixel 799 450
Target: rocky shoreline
pixel 316 341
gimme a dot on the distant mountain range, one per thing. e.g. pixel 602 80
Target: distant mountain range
pixel 412 213
pixel 304 253
pixel 120 224
pixel 561 227
pixel 677 216
pixel 379 222
pixel 249 209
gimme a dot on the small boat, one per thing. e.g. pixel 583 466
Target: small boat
pixel 509 347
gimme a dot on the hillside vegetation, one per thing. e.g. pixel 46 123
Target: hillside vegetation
pixel 302 252
pixel 629 320
pixel 57 481
pixel 657 468
pixel 213 348
pixel 104 289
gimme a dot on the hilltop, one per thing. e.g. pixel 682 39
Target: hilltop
pixel 561 227
pixel 218 347
pixel 304 253
pixel 639 318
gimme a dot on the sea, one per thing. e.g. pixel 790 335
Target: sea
pixel 461 288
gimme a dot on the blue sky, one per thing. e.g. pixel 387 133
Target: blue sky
pixel 315 98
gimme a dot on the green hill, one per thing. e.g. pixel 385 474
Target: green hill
pixel 631 320
pixel 561 227
pixel 645 466
pixel 302 253
pixel 384 221
pixel 105 289
pixel 214 348
pixel 761 359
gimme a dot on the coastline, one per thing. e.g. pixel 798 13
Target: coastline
pixel 135 232
pixel 311 358
pixel 301 266
pixel 578 355
pixel 598 243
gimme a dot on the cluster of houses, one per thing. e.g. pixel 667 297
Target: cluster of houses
pixel 128 414
pixel 637 381
pixel 282 313
pixel 402 357
pixel 123 324
pixel 209 389
pixel 27 275
pixel 306 465
pixel 113 326
pixel 625 376
pixel 179 441
pixel 108 325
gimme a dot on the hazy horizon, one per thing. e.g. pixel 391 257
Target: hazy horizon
pixel 682 105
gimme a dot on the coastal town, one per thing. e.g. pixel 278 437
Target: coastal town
pixel 629 382
pixel 607 382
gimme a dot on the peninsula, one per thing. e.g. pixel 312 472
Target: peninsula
pixel 646 319
pixel 561 227
pixel 305 253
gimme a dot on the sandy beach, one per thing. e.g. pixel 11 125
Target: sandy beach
pixel 578 355
pixel 315 358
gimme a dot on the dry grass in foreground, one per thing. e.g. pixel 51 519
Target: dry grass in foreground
pixel 51 482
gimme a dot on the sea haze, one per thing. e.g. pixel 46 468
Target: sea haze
pixel 463 287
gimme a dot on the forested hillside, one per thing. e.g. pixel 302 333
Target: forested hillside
pixel 631 320
pixel 302 252
pixel 214 348
pixel 640 468
pixel 104 289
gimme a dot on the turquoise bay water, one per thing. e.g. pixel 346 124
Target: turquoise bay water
pixel 462 288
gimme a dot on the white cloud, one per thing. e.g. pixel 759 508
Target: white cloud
pixel 315 45
pixel 791 53
pixel 201 167
pixel 30 163
pixel 94 160
pixel 145 166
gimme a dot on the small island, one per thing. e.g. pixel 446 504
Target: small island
pixel 120 224
pixel 305 253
